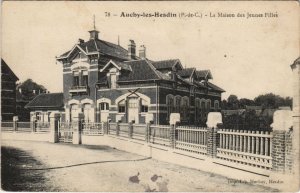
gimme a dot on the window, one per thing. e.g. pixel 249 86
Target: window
pixel 185 108
pixel 170 104
pixel 198 109
pixel 121 106
pixel 85 79
pixel 177 104
pixel 104 106
pixel 144 106
pixel 75 78
pixel 216 105
pixel 87 111
pixel 208 103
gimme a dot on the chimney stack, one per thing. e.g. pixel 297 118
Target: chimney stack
pixel 131 49
pixel 80 41
pixel 142 52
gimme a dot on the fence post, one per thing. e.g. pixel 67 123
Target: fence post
pixel 130 129
pixel 281 145
pixel 172 135
pixel 149 119
pixel 117 128
pixel 174 118
pixel 213 119
pixel 15 123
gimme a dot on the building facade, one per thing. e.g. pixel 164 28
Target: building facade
pixel 8 92
pixel 106 82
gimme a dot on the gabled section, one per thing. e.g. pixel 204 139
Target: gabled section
pixel 119 65
pixel 203 74
pixel 187 73
pixel 170 65
pixel 5 69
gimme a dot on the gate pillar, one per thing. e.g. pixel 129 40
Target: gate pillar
pixel 53 134
pixel 77 128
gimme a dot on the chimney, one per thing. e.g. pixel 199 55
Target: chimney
pixel 142 52
pixel 80 41
pixel 94 34
pixel 131 49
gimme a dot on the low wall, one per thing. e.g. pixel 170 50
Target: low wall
pixel 28 136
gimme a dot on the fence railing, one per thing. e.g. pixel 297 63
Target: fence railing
pixel 112 129
pixel 7 126
pixel 123 129
pixel 160 134
pixel 247 147
pixel 192 139
pixel 92 128
pixel 139 131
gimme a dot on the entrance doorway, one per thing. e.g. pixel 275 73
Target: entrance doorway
pixel 133 109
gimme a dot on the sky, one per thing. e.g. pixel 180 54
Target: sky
pixel 246 56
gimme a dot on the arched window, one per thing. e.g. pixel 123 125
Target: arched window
pixel 177 104
pixel 197 109
pixel 216 105
pixel 208 105
pixel 184 108
pixel 73 111
pixel 170 104
pixel 121 106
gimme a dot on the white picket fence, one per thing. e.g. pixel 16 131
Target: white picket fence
pixel 191 139
pixel 246 147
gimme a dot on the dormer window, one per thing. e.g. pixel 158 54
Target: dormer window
pixel 113 72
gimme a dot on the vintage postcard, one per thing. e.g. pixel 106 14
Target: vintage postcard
pixel 150 96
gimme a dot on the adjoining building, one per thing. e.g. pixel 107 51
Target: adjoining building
pixel 8 92
pixel 107 82
pixel 43 105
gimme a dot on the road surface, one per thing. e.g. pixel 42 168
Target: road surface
pixel 42 166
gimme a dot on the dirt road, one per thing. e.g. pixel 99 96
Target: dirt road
pixel 41 166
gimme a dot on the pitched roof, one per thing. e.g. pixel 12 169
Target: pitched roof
pixel 165 64
pixel 202 74
pixel 215 87
pixel 104 47
pixel 187 72
pixel 7 70
pixel 141 70
pixel 50 100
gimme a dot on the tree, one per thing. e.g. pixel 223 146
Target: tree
pixel 233 102
pixel 28 89
pixel 243 102
pixel 272 101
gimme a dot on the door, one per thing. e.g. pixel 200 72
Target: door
pixel 133 109
pixel 74 112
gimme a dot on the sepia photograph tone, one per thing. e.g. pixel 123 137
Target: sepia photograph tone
pixel 169 96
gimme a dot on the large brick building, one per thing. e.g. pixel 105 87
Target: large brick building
pixel 105 81
pixel 8 92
